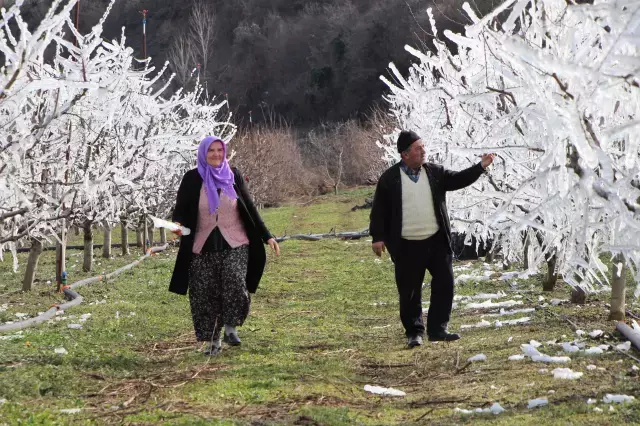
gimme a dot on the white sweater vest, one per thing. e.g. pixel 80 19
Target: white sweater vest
pixel 418 215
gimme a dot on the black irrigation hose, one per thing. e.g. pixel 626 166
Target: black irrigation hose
pixel 74 298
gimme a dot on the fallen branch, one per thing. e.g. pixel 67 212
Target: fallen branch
pixel 461 369
pixel 318 237
pixel 371 365
pixel 425 415
pixel 438 401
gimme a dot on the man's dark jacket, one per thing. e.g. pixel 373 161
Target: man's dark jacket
pixel 386 213
pixel 186 213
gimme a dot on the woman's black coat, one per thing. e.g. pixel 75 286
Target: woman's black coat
pixel 186 213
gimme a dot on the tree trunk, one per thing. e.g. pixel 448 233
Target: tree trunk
pixel 578 296
pixel 552 276
pixel 61 255
pixel 491 255
pixel 163 236
pixel 88 247
pixel 124 236
pixel 150 236
pixel 618 284
pixel 139 236
pixel 106 245
pixel 145 234
pixel 76 230
pixel 32 265
pixel 527 245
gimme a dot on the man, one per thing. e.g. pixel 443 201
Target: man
pixel 409 217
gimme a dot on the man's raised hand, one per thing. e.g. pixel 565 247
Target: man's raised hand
pixel 487 159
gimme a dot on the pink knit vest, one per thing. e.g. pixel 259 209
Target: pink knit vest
pixel 226 218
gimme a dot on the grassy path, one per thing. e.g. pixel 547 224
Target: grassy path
pixel 323 324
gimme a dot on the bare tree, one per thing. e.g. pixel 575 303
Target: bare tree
pixel 202 33
pixel 327 146
pixel 182 58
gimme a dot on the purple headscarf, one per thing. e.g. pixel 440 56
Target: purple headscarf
pixel 215 178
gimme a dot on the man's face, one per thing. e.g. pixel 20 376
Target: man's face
pixel 414 157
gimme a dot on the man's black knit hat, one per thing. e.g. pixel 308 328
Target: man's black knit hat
pixel 406 138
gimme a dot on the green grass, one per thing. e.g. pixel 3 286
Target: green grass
pixel 316 335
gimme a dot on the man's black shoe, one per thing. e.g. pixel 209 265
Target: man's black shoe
pixel 413 341
pixel 443 336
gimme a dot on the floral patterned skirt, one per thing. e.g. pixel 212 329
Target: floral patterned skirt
pixel 218 292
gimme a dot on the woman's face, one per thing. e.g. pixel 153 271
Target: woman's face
pixel 215 154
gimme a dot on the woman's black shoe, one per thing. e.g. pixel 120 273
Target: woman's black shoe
pixel 232 339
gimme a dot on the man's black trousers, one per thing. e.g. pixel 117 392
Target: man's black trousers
pixel 412 260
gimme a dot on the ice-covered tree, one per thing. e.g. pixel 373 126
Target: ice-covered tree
pixel 88 135
pixel 553 88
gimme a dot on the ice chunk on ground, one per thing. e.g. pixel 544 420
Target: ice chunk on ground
pixel 535 343
pixel 481 324
pixel 568 347
pixel 511 312
pixel 609 398
pixel 71 410
pixel 566 373
pixel 489 304
pixel 596 333
pixel 539 402
pixel 591 401
pixel 516 321
pixel 74 326
pixel 494 409
pixel 518 357
pixel 61 351
pixel 378 390
pixel 529 350
pixel 551 359
pixel 591 367
pixel 624 346
pixel 466 277
pixel 581 332
pixel 594 351
pixel 479 357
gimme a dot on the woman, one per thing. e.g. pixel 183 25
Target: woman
pixel 221 261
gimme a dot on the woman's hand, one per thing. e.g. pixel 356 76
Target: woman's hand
pixel 274 245
pixel 178 231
